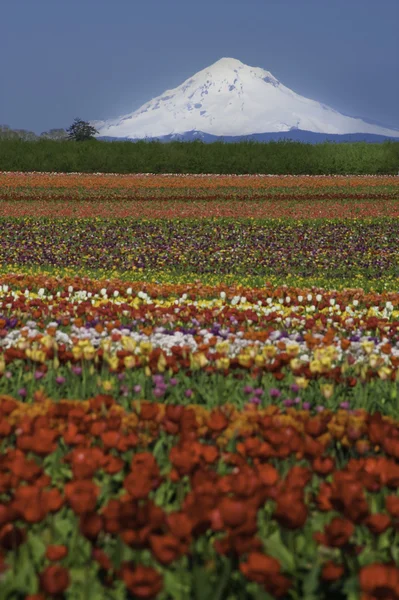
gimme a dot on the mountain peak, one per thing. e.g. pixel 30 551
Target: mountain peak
pixel 230 98
pixel 228 63
pixel 232 67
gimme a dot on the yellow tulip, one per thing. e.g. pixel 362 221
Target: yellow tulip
pixel 295 364
pixel 83 343
pixel 48 342
pixel 89 352
pixel 302 382
pixel 270 351
pixel 36 355
pixel 327 389
pixel 161 364
pixel 222 347
pixel 145 347
pixel 113 362
pixel 315 366
pixel 244 360
pixel 223 363
pixel 326 363
pixel 384 372
pixel 368 346
pixel 129 362
pixel 259 360
pixel 77 352
pixel 198 360
pixel 293 348
pixel 128 343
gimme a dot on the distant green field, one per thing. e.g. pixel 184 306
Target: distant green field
pixel 280 158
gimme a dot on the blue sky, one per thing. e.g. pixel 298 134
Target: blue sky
pixel 97 59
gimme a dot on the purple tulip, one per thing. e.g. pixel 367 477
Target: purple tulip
pixel 288 402
pixel 162 386
pixel 254 400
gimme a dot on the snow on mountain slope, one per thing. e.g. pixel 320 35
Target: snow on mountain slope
pixel 230 98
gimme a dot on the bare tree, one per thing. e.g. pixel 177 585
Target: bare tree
pixel 54 134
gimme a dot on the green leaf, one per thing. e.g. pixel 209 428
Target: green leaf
pixel 275 547
pixel 118 477
pixel 117 552
pixel 37 548
pixel 220 589
pixel 231 444
pixel 64 525
pixel 311 582
pixel 85 585
pixel 374 504
pixel 257 593
pixel 395 552
pixel 351 588
pixel 202 586
pixel 367 556
pixel 118 592
pixel 160 449
pixel 300 544
pixel 178 589
pixel 25 581
pixel 385 540
pixel 165 496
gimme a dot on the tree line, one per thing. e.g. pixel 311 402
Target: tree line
pixel 79 131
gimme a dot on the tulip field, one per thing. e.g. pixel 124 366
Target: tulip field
pixel 199 387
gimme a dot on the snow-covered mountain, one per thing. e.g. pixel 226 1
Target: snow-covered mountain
pixel 230 98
